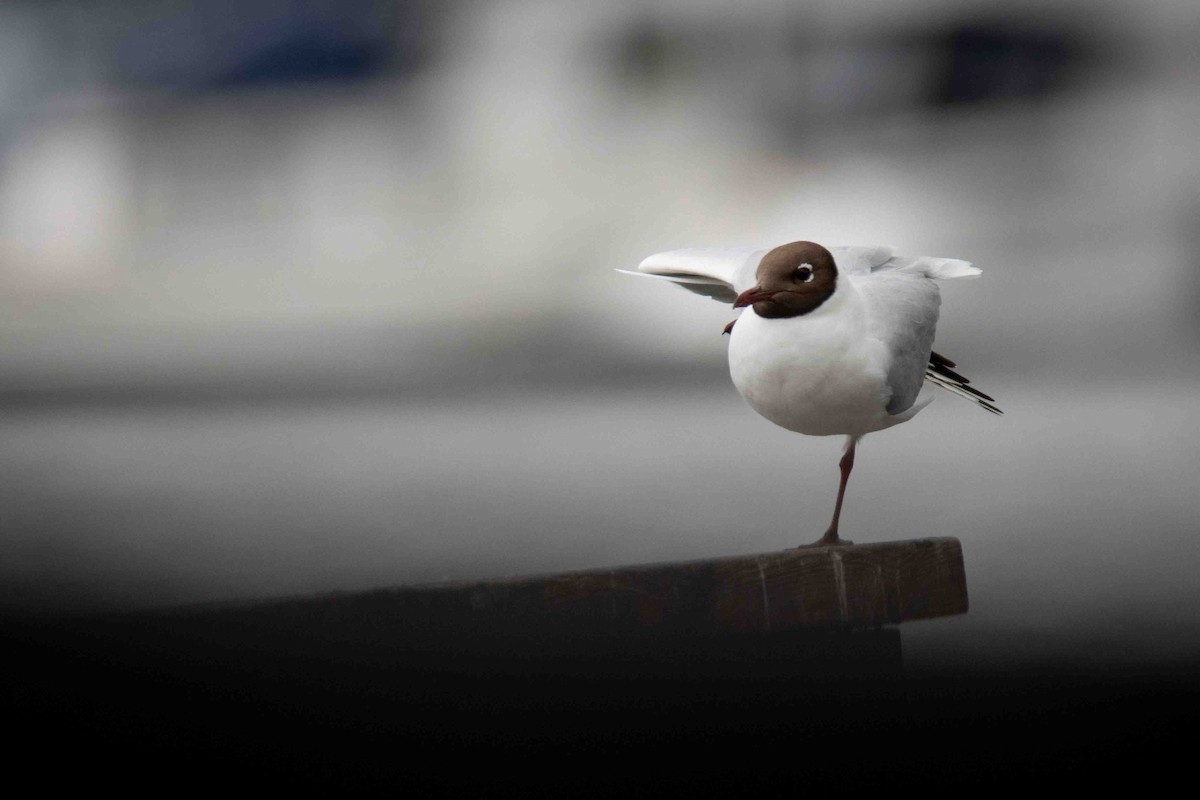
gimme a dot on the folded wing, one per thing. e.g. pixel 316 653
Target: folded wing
pixel 902 302
pixel 902 315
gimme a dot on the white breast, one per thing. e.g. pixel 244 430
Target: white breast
pixel 818 374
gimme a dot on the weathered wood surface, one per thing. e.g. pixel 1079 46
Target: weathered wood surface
pixel 801 589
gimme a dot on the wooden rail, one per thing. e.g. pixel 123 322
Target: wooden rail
pixel 850 587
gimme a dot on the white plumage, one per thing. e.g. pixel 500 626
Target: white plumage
pixel 874 335
pixel 853 364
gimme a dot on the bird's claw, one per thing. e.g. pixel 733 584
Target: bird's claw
pixel 827 541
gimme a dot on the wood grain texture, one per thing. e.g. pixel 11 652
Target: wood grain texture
pixel 852 586
pixel 843 587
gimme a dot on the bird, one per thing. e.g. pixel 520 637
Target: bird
pixel 832 340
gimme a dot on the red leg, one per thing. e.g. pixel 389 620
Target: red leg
pixel 846 464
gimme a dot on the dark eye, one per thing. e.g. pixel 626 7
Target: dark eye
pixel 804 273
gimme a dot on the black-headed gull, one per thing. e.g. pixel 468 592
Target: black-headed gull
pixel 835 341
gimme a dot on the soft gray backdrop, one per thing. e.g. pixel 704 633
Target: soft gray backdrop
pixel 320 296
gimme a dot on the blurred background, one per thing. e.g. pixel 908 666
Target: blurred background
pixel 299 297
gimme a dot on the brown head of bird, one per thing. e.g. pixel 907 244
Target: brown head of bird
pixel 793 279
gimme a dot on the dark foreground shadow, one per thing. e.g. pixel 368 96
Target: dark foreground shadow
pixel 168 705
pixel 221 701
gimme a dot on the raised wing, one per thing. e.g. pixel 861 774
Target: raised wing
pixel 939 269
pixel 861 259
pixel 719 273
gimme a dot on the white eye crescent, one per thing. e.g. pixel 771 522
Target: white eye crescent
pixel 804 272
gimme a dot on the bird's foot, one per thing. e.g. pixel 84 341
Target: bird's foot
pixel 830 539
pixel 729 328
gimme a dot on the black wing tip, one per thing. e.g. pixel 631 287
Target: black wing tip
pixel 939 367
pixel 978 393
pixel 940 360
pixel 949 373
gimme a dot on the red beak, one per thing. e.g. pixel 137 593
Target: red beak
pixel 752 296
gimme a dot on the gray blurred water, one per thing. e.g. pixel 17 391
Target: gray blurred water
pixel 1078 527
